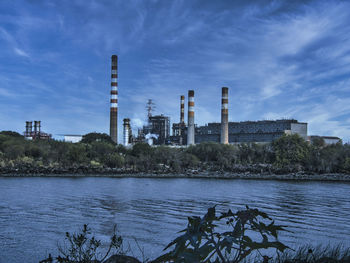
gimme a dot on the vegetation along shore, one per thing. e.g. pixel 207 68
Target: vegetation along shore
pixel 287 158
pixel 246 236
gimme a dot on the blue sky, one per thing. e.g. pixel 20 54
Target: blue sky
pixel 280 59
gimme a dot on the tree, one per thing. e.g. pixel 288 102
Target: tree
pixel 290 150
pixel 97 137
pixel 12 134
pixel 77 154
pixel 141 149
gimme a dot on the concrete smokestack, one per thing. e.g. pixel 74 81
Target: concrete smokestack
pixel 224 116
pixel 182 109
pixel 190 128
pixel 113 128
pixel 126 126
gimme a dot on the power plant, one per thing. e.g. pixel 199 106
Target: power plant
pixel 157 128
pixel 31 134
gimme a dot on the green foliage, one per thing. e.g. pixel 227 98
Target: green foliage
pixel 246 231
pixel 243 237
pixel 97 137
pixel 13 152
pixel 84 248
pixel 287 154
pixel 114 160
pixel 34 151
pixel 77 154
pixel 290 150
pixel 12 134
pixel 318 142
pixel 140 149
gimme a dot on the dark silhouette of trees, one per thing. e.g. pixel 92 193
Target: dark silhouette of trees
pixel 288 153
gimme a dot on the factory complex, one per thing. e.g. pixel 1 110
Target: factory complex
pixel 157 129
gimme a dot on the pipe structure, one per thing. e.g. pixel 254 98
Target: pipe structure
pixel 113 128
pixel 182 109
pixel 126 126
pixel 190 127
pixel 224 116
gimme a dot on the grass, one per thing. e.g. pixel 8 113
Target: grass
pixel 319 254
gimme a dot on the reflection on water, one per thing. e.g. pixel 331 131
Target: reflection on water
pixel 36 212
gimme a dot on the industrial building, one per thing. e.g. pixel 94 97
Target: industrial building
pixel 244 132
pixel 231 132
pixel 73 138
pixel 157 129
pixel 36 133
pixel 251 131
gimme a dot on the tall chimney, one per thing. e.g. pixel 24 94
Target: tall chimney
pixel 182 109
pixel 29 128
pixel 224 116
pixel 126 126
pixel 36 127
pixel 113 128
pixel 190 128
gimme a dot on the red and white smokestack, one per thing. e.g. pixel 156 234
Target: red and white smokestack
pixel 190 127
pixel 224 116
pixel 182 109
pixel 113 128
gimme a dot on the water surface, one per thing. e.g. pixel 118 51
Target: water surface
pixel 35 213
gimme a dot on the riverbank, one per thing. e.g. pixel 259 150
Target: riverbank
pixel 117 173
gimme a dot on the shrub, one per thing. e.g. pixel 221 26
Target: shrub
pixel 200 241
pixel 97 137
pixel 290 150
pixel 84 248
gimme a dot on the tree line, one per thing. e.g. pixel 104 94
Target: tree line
pixel 286 154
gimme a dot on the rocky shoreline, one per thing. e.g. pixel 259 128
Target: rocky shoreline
pixel 240 173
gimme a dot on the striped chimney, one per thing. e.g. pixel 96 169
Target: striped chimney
pixel 113 128
pixel 190 128
pixel 182 109
pixel 126 126
pixel 224 116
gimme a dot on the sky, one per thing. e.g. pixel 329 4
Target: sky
pixel 280 59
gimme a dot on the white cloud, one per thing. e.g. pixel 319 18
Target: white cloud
pixel 21 52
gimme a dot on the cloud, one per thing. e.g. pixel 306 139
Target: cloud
pixel 279 59
pixel 20 52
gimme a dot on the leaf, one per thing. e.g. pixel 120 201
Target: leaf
pixel 211 214
pixel 180 239
pixel 237 231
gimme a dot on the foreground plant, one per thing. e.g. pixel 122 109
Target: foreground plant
pixel 245 232
pixel 84 248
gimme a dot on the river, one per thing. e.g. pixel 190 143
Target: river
pixel 35 213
